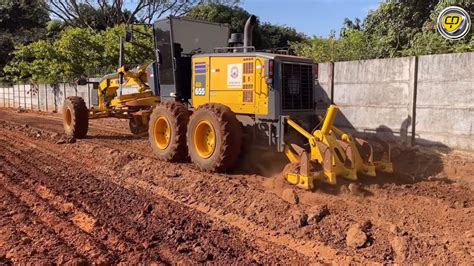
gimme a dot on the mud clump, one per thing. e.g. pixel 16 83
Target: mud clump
pixel 299 218
pixel 66 140
pixel 317 213
pixel 356 237
pixel 21 110
pixel 290 196
pixel 400 247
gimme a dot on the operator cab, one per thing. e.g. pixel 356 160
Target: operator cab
pixel 177 40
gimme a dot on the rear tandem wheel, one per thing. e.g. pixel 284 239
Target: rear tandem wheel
pixel 214 138
pixel 167 131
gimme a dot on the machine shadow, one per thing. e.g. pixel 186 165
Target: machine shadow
pixel 412 162
pixel 117 137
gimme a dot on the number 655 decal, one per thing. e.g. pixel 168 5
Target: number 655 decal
pixel 200 91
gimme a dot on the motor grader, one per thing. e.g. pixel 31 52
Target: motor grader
pixel 206 93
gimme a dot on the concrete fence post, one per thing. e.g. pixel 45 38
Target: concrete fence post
pixel 331 81
pixel 415 93
pixel 18 94
pixel 46 96
pixel 24 94
pixel 89 95
pixel 412 100
pixel 31 97
pixel 38 100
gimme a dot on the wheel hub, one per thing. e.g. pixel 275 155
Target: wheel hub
pixel 68 117
pixel 205 139
pixel 162 133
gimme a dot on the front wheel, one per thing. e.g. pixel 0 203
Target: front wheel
pixel 75 117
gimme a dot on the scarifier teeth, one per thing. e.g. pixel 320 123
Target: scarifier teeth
pixel 335 152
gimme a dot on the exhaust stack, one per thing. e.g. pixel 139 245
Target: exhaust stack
pixel 249 25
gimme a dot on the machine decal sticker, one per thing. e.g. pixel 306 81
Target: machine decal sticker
pixel 200 85
pixel 234 76
pixel 200 68
pixel 200 91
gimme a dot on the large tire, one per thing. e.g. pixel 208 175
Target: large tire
pixel 75 117
pixel 167 131
pixel 214 138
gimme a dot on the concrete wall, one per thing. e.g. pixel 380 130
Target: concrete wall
pixel 445 100
pixel 41 96
pixel 382 87
pixel 411 100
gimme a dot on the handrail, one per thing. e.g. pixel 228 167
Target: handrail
pixel 235 48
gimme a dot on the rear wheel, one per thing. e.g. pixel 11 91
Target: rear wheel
pixel 214 138
pixel 167 131
pixel 75 117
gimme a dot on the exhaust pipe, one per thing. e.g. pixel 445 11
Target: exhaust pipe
pixel 249 25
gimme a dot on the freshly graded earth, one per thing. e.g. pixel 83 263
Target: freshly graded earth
pixel 106 200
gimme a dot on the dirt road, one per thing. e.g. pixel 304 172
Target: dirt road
pixel 106 199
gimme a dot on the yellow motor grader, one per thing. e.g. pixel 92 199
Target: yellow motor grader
pixel 206 93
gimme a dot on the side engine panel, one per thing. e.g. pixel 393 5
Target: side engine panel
pixel 235 81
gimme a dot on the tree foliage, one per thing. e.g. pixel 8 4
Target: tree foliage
pixel 21 21
pixel 78 52
pixel 395 28
pixel 54 51
pixel 101 14
pixel 266 35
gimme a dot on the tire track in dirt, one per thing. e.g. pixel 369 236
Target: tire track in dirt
pixel 309 249
pixel 39 161
pixel 84 244
pixel 22 232
pixel 124 246
pixel 57 120
pixel 304 247
pixel 429 217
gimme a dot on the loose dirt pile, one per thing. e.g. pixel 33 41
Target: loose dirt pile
pixel 106 199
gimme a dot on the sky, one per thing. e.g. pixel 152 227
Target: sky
pixel 312 17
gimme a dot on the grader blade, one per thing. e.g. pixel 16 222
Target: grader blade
pixel 335 152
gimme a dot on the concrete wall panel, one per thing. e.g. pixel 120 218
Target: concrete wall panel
pixel 445 100
pixel 376 96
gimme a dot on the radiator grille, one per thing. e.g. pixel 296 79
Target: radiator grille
pixel 297 86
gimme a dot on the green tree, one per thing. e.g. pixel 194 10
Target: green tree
pixel 101 14
pixel 429 41
pixel 21 21
pixel 233 15
pixel 395 28
pixel 76 53
pixel 352 46
pixel 275 36
pixel 266 35
pixel 394 23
